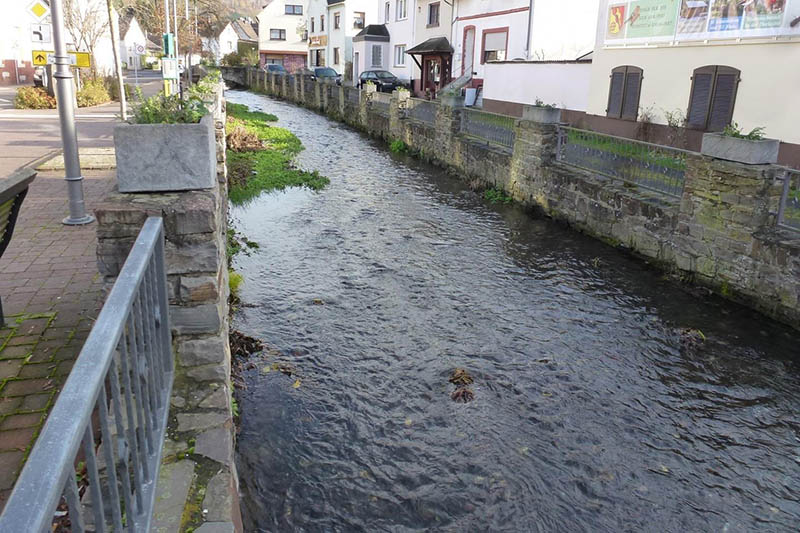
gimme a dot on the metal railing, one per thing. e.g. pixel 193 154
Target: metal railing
pixel 422 110
pixel 657 168
pixel 789 211
pixel 380 103
pixel 352 95
pixel 128 356
pixel 489 127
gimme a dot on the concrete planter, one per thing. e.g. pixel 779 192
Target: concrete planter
pixel 165 157
pixel 763 152
pixel 542 115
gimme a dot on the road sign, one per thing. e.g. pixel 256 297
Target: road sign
pixel 38 9
pixel 77 59
pixel 81 59
pixel 40 33
pixel 169 68
pixel 139 49
pixel 40 57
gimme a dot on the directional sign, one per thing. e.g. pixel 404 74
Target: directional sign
pixel 169 68
pixel 40 57
pixel 81 59
pixel 78 59
pixel 40 33
pixel 38 9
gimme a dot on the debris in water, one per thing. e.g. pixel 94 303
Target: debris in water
pixel 318 301
pixel 296 384
pixel 462 395
pixel 243 345
pixel 691 338
pixel 461 377
pixel 284 368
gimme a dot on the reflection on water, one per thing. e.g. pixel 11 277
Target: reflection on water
pixel 588 414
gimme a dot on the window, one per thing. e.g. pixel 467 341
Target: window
pixel 277 35
pixel 318 58
pixel 312 25
pixel 273 61
pixel 494 45
pixel 292 9
pixel 337 19
pixel 623 93
pixel 400 55
pixel 433 14
pixel 402 9
pixel 358 19
pixel 386 14
pixel 377 59
pixel 322 23
pixel 713 97
pixel 335 56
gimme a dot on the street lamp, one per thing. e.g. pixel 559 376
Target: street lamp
pixel 66 113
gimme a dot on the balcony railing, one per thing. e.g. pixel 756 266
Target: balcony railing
pixel 489 127
pixel 789 212
pixel 121 385
pixel 658 168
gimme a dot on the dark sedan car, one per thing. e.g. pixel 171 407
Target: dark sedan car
pixel 326 74
pixel 277 69
pixel 384 80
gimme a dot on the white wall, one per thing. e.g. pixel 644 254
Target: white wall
pixel 562 29
pixel 228 42
pixel 565 85
pixel 134 36
pixel 422 32
pixel 401 32
pixel 274 17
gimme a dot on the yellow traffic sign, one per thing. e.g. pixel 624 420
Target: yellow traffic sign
pixel 77 59
pixel 38 9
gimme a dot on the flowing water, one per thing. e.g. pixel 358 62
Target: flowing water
pixel 589 415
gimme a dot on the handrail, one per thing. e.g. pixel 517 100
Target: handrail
pixel 132 333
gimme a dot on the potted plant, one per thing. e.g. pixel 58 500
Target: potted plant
pixel 169 145
pixel 542 113
pixel 734 145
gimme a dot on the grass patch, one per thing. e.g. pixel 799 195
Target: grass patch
pixel 235 281
pixel 496 196
pixel 398 146
pixel 252 171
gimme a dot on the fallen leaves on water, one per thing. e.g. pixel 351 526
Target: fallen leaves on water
pixel 318 301
pixel 691 338
pixel 243 345
pixel 462 395
pixel 296 384
pixel 461 377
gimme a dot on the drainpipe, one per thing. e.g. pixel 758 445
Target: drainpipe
pixel 530 30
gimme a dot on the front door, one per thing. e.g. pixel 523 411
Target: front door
pixel 432 75
pixel 468 59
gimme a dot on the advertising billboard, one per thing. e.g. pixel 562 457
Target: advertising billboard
pixel 653 21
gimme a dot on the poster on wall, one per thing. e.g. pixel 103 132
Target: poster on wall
pixel 653 21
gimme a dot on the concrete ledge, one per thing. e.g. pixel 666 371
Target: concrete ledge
pixel 749 152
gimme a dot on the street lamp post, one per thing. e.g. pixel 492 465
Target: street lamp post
pixel 66 113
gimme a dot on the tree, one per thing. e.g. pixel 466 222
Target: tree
pixel 86 21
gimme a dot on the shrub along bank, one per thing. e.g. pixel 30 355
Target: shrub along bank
pixel 260 156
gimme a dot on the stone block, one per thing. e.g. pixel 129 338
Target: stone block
pixel 218 502
pixel 541 115
pixel 208 350
pixel 216 443
pixel 762 152
pixel 216 372
pixel 196 289
pixel 195 320
pixel 195 213
pixel 174 481
pixel 216 527
pixel 165 157
pixel 217 399
pixel 193 258
pixel 205 421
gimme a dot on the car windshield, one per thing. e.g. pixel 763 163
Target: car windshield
pixel 326 72
pixel 385 75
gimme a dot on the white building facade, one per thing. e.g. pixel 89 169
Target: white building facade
pixel 332 24
pixel 399 16
pixel 133 43
pixel 282 35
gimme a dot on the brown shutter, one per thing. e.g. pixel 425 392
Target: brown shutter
pixel 633 88
pixel 725 87
pixel 615 93
pixel 700 99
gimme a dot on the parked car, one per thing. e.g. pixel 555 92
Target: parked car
pixel 384 80
pixel 326 74
pixel 277 69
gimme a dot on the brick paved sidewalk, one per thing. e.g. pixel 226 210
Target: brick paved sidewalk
pixel 51 294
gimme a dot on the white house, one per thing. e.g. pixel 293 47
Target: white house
pixel 133 41
pixel 431 54
pixel 282 35
pixel 332 24
pixel 225 43
pixel 371 50
pixel 399 17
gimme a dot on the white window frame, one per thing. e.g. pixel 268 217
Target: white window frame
pixel 430 23
pixel 387 13
pixel 400 55
pixel 402 10
pixel 379 49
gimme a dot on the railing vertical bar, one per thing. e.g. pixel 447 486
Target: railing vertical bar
pixel 142 364
pixel 73 498
pixel 94 479
pixel 132 445
pixel 142 418
pixel 152 324
pixel 111 464
pixel 163 306
pixel 154 378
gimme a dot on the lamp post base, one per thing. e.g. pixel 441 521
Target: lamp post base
pixel 79 221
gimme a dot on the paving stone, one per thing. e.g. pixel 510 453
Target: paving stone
pixel 21 421
pixel 17 439
pixel 36 370
pixel 35 402
pixel 174 481
pixel 26 386
pixel 218 399
pixel 218 502
pixel 10 465
pixel 10 368
pixel 198 421
pixel 216 527
pixel 9 405
pixel 216 444
pixel 16 352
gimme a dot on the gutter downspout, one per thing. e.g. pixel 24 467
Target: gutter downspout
pixel 530 30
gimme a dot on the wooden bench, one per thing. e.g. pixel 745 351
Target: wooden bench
pixel 12 192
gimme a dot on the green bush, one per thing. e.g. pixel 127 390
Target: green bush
pixel 93 92
pixel 162 109
pixel 206 86
pixel 232 60
pixel 112 86
pixel 34 98
pixel 398 146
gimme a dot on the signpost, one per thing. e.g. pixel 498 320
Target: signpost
pixel 38 9
pixel 40 33
pixel 76 59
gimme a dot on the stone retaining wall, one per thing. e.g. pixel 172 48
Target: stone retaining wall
pixel 198 485
pixel 721 233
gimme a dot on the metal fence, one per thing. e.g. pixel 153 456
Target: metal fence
pixel 789 212
pixel 422 110
pixel 489 127
pixel 128 357
pixel 353 95
pixel 652 166
pixel 380 103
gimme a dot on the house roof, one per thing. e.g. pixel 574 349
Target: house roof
pixel 125 24
pixel 432 46
pixel 154 43
pixel 246 30
pixel 373 32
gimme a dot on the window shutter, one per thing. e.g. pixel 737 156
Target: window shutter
pixel 700 99
pixel 722 103
pixel 615 94
pixel 633 86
